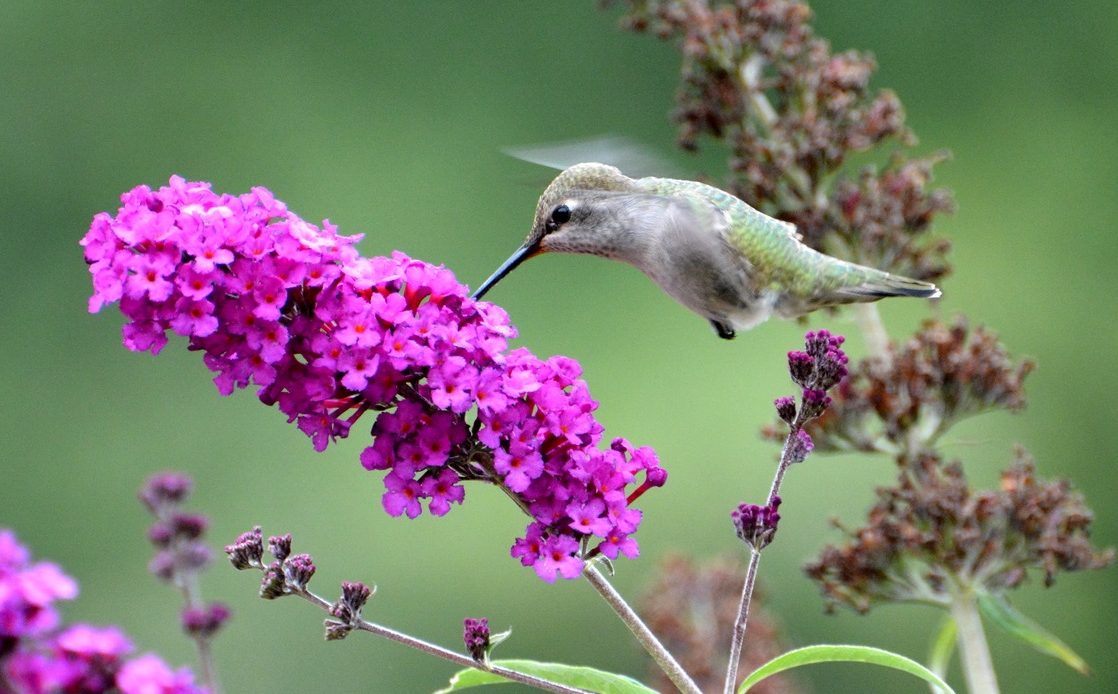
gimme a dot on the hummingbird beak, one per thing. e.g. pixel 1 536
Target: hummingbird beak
pixel 523 253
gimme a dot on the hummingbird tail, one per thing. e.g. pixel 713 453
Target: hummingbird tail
pixel 879 286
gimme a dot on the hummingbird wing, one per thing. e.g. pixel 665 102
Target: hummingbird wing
pixel 628 155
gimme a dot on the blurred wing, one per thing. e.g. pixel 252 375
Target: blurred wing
pixel 632 157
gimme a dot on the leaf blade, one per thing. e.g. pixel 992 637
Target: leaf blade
pixel 578 676
pixel 839 653
pixel 998 610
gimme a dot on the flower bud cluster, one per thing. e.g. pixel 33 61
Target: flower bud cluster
pixel 327 335
pixel 756 525
pixel 290 574
pixel 816 370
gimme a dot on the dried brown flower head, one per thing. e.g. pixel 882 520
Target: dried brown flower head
pixel 942 374
pixel 931 536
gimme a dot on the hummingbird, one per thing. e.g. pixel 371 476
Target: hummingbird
pixel 724 260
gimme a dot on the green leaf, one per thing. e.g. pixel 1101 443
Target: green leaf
pixel 824 653
pixel 940 656
pixel 571 675
pixel 998 610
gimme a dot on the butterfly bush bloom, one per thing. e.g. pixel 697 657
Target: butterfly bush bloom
pixel 38 656
pixel 326 335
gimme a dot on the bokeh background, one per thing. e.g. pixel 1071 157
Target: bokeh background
pixel 388 118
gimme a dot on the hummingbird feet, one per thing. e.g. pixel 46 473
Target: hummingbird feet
pixel 724 331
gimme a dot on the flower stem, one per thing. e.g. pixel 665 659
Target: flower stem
pixel 738 640
pixel 868 319
pixel 445 653
pixel 973 649
pixel 647 639
pixel 192 597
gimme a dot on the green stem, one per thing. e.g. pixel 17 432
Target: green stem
pixel 974 652
pixel 868 319
pixel 644 635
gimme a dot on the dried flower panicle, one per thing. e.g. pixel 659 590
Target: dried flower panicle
pixel 691 606
pixel 286 574
pixel 932 534
pixel 942 374
pixel 792 112
pixel 327 335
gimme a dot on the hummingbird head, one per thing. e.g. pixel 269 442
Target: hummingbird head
pixel 567 219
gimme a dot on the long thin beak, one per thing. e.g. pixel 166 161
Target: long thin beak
pixel 523 253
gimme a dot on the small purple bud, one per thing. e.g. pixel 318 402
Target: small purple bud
pixel 162 565
pixel 203 622
pixel 160 534
pixel 818 343
pixel 272 586
pixel 247 551
pixel 165 488
pixel 656 476
pixel 786 408
pixel 799 445
pixel 475 633
pixel 194 556
pixel 815 402
pixel 280 546
pixel 756 525
pixel 298 570
pixel 190 525
pixel 348 607
pixel 830 368
pixel 801 366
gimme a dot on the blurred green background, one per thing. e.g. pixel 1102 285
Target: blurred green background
pixel 388 118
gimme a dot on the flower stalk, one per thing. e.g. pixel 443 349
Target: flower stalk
pixel 290 574
pixel 664 660
pixel 974 652
pixel 820 367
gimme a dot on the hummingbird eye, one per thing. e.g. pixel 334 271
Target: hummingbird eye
pixel 559 216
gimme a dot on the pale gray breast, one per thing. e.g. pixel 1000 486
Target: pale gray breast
pixel 694 262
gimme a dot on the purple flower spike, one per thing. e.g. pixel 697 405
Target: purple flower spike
pixel 291 309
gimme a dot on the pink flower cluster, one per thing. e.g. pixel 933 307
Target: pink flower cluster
pixel 328 335
pixel 35 658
